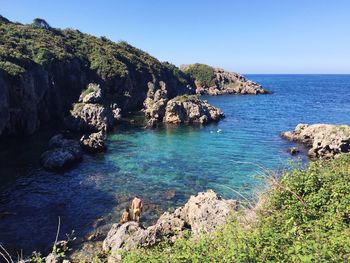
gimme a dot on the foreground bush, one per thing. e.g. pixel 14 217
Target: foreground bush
pixel 305 217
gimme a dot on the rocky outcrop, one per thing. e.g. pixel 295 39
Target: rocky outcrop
pixel 91 114
pixel 62 153
pixel 95 142
pixel 323 140
pixel 190 109
pixel 201 214
pixel 181 109
pixel 220 82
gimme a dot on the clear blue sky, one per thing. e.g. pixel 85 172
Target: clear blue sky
pixel 247 36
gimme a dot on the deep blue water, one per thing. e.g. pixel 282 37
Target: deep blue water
pixel 224 156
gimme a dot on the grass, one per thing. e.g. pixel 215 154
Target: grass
pixel 305 217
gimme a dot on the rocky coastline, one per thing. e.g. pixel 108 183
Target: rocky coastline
pixel 218 81
pixel 322 140
pixel 200 215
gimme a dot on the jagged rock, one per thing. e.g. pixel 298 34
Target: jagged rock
pixel 225 82
pixel 190 109
pixel 89 117
pixel 62 153
pixel 52 258
pixel 324 140
pixel 201 214
pixel 92 94
pixel 95 142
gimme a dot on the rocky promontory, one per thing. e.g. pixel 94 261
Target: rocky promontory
pixel 200 215
pixel 216 81
pixel 181 109
pixel 323 140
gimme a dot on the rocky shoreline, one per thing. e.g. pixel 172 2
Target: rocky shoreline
pixel 322 140
pixel 222 82
pixel 200 215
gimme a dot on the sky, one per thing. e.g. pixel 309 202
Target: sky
pixel 246 36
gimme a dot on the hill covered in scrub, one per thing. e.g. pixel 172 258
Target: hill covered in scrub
pixel 216 81
pixel 43 71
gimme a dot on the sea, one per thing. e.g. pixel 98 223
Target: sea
pixel 164 166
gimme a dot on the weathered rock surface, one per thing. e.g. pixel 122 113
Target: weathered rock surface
pixel 201 214
pixel 62 153
pixel 324 140
pixel 91 114
pixel 181 109
pixel 190 109
pixel 95 142
pixel 226 82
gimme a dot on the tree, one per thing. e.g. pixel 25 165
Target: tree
pixel 38 22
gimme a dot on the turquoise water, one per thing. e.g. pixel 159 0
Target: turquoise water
pixel 184 160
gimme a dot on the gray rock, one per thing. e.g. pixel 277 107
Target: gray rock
pixel 62 154
pixel 95 142
pixel 324 140
pixel 52 258
pixel 228 83
pixel 92 94
pixel 190 109
pixel 201 214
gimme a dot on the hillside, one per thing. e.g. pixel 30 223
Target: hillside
pixel 43 71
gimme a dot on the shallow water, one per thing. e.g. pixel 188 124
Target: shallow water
pixel 149 163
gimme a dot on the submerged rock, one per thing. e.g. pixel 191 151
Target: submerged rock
pixel 63 153
pixel 324 140
pixel 294 150
pixel 201 214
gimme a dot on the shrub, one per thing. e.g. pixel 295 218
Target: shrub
pixel 202 74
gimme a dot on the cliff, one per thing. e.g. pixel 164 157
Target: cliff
pixel 216 81
pixel 44 70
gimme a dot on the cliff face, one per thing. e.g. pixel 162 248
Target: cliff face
pixel 38 95
pixel 44 70
pixel 216 81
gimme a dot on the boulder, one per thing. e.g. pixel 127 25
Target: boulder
pixel 62 153
pixel 323 140
pixel 201 214
pixel 95 142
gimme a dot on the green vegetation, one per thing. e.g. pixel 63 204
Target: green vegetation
pixel 24 46
pixel 203 74
pixel 184 98
pixel 305 217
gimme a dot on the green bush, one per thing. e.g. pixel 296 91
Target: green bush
pixel 21 46
pixel 305 217
pixel 202 74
